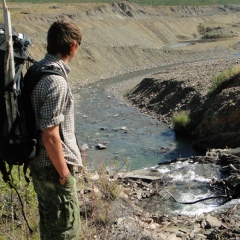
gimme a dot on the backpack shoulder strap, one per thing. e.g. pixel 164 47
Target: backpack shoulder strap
pixel 34 74
pixel 53 70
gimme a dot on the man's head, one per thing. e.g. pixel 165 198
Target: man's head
pixel 62 35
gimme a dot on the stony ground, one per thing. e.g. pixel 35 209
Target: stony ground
pixel 129 217
pixel 196 76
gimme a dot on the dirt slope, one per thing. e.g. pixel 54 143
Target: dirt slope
pixel 123 37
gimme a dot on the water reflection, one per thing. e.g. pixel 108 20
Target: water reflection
pixel 181 44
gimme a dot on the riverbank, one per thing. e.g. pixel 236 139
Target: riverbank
pixel 197 75
pixel 197 71
pixel 141 223
pixel 130 207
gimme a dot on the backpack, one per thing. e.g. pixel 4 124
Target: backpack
pixel 15 142
pixel 18 133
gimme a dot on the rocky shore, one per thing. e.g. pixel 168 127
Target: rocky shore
pixel 186 88
pixel 196 75
pixel 130 216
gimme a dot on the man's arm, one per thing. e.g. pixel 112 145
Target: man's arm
pixel 53 145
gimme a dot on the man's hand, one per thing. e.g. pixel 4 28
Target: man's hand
pixel 63 180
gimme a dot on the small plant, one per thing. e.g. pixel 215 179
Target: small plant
pixel 109 187
pixel 97 199
pixel 181 121
pixel 201 29
pixel 12 223
pixel 182 37
pixel 221 77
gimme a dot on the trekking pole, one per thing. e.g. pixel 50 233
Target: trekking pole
pixel 9 67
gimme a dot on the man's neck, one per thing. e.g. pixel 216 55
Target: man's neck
pixel 63 58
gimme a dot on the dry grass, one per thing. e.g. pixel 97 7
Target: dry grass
pixel 97 191
pixel 12 224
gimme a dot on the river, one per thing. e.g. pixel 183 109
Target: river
pixel 133 139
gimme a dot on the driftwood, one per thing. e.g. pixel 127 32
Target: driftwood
pixel 199 200
pixel 233 168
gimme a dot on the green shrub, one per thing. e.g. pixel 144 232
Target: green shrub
pixel 201 29
pixel 181 121
pixel 221 77
pixel 182 37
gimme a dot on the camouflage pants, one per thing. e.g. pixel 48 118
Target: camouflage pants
pixel 58 205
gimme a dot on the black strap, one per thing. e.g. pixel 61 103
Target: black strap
pixel 20 200
pixel 36 73
pixel 55 71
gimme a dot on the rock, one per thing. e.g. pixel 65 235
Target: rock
pixel 84 147
pixel 146 194
pixel 101 146
pixel 200 237
pixel 124 128
pixel 217 128
pixel 213 221
pixel 94 177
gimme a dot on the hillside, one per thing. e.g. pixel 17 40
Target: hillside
pixel 124 37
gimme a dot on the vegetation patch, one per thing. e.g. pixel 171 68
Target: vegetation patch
pixel 12 223
pixel 223 76
pixel 182 37
pixel 181 121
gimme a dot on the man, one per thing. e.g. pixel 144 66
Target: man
pixel 52 169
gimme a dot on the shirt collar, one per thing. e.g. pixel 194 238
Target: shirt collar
pixel 59 62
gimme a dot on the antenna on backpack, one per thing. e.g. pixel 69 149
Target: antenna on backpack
pixel 9 67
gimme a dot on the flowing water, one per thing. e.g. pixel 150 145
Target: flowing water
pixel 129 136
pixel 135 141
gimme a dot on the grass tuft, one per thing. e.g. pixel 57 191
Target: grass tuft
pixel 223 76
pixel 181 121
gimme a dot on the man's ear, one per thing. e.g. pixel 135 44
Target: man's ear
pixel 73 46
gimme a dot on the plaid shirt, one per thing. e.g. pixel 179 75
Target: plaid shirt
pixel 53 105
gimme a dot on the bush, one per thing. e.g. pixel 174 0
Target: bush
pixel 201 29
pixel 221 77
pixel 181 121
